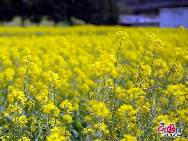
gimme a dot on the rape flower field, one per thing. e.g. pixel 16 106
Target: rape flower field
pixel 93 83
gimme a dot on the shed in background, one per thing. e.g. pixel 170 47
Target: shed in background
pixel 173 17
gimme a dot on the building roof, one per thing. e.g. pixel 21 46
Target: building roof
pixel 158 4
pixel 138 19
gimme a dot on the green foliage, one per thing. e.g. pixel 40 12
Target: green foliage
pixel 93 11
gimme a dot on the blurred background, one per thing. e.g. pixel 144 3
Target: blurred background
pixel 163 13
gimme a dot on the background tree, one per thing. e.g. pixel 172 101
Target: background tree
pixel 6 12
pixel 91 11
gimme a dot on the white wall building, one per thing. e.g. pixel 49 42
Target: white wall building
pixel 173 17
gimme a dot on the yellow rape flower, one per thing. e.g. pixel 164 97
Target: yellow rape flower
pixel 24 139
pixel 121 35
pixel 184 114
pixel 58 134
pixel 126 110
pixel 22 120
pixel 67 119
pixel 102 127
pixel 119 93
pixel 16 95
pixel 98 108
pixel 14 108
pixel 146 70
pixel 135 93
pixel 128 137
pixel 9 74
pixel 50 108
pixel 180 139
pixel 66 105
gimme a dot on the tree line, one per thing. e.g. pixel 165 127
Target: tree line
pixel 90 11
